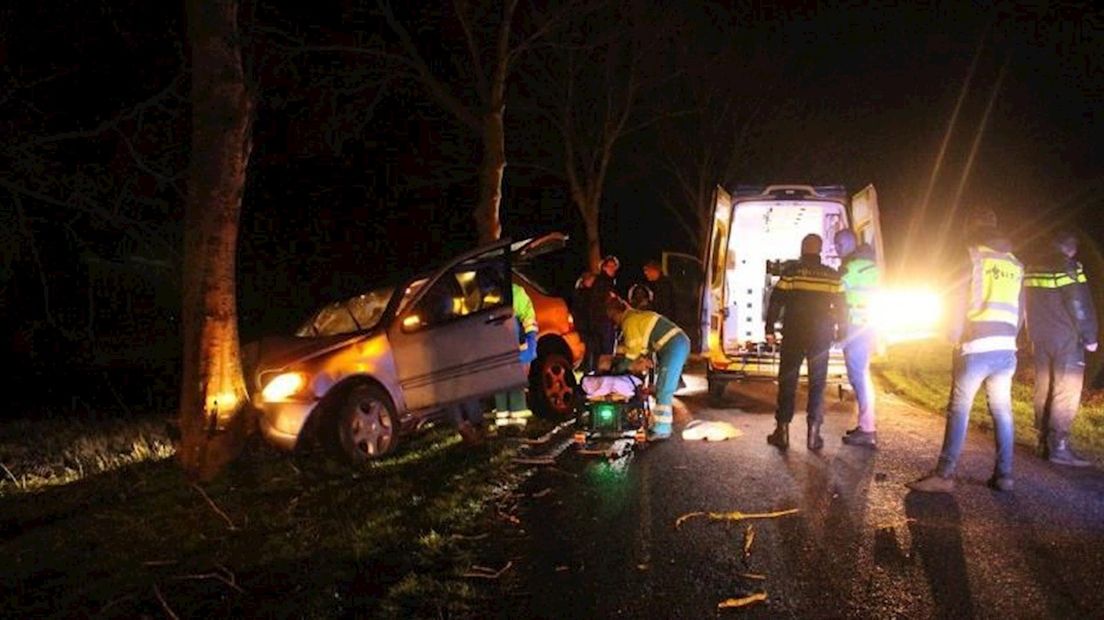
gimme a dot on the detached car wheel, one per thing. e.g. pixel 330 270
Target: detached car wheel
pixel 365 425
pixel 552 387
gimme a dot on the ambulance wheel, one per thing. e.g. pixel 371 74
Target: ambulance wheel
pixel 717 390
pixel 552 386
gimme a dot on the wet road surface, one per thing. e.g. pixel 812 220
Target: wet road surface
pixel 597 539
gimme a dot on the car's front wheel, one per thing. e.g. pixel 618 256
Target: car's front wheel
pixel 552 386
pixel 365 424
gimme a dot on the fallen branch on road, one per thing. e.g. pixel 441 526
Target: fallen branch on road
pixel 749 537
pixel 735 515
pixel 731 603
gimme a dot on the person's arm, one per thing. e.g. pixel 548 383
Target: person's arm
pixel 1078 301
pixel 776 306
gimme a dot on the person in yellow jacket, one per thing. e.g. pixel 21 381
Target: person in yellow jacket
pixel 984 334
pixel 510 407
pixel 643 333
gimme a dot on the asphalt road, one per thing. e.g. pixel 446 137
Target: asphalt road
pixel 598 539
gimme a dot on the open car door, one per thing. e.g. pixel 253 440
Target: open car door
pixel 457 338
pixel 716 262
pixel 685 273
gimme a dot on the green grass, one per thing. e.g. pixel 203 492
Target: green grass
pixel 279 536
pixel 921 373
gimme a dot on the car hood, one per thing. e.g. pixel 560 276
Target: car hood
pixel 276 352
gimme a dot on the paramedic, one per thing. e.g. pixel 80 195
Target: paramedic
pixel 986 322
pixel 1061 323
pixel 859 275
pixel 510 407
pixel 809 300
pixel 644 333
pixel 663 293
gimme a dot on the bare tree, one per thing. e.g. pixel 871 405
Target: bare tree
pixel 213 416
pixel 488 33
pixel 597 73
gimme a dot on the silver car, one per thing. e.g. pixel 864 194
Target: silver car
pixel 362 372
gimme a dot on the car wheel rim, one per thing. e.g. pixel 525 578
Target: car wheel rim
pixel 370 428
pixel 556 389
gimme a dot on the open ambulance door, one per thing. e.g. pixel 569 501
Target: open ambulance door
pixel 866 223
pixel 716 262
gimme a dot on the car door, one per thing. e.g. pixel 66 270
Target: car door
pixel 685 273
pixel 457 338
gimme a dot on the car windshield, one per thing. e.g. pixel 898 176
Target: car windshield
pixel 345 317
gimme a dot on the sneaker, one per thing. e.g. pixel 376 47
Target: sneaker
pixel 1060 453
pixel 932 483
pixel 659 431
pixel 859 437
pixel 852 431
pixel 1001 483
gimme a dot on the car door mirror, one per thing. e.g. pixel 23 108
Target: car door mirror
pixel 411 322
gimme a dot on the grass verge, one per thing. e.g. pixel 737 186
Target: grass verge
pixel 921 373
pixel 275 537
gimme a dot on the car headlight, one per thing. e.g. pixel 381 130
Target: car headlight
pixel 283 385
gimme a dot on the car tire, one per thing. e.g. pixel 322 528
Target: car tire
pixel 553 391
pixel 364 426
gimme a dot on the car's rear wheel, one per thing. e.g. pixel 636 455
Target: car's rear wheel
pixel 552 386
pixel 365 425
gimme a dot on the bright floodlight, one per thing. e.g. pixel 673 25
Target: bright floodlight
pixel 907 314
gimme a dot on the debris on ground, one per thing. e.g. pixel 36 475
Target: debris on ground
pixel 735 515
pixel 749 537
pixel 752 576
pixel 482 572
pixel 731 603
pixel 710 430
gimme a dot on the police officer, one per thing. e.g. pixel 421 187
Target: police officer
pixel 984 332
pixel 1061 323
pixel 860 277
pixel 809 300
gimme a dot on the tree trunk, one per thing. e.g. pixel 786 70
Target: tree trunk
pixel 594 242
pixel 491 171
pixel 214 420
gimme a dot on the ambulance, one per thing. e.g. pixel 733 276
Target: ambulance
pixel 756 230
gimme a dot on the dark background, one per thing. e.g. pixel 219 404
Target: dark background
pixel 357 176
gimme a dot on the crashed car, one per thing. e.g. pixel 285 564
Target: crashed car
pixel 361 373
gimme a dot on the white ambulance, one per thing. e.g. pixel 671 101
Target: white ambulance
pixel 755 231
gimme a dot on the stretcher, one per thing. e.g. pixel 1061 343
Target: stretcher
pixel 615 415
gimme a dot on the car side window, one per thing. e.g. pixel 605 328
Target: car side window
pixel 471 287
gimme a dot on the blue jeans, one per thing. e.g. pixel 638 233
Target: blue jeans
pixel 857 351
pixel 995 370
pixel 671 358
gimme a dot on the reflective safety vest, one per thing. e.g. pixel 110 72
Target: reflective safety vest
pixel 1051 279
pixel 860 281
pixel 993 311
pixel 643 331
pixel 523 311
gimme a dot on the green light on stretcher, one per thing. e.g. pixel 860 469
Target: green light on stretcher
pixel 605 416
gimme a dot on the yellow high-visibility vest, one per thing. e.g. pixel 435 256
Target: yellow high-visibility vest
pixel 996 280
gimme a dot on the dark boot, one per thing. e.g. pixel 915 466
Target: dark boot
pixel 1062 454
pixel 780 438
pixel 813 440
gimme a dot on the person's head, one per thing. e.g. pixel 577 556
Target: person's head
pixel 610 265
pixel 587 279
pixel 811 245
pixel 1065 241
pixel 652 270
pixel 640 297
pixel 846 243
pixel 616 308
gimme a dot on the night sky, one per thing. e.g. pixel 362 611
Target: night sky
pixel 356 175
